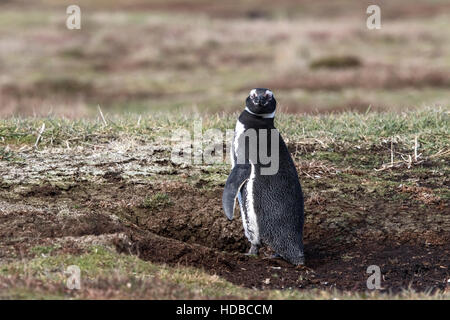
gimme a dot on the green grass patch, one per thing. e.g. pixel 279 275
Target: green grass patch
pixel 44 250
pixel 330 132
pixel 101 262
pixel 157 201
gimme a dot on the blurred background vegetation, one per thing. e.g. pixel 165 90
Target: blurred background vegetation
pixel 189 56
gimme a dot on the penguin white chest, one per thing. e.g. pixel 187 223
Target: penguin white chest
pixel 250 221
pixel 238 131
pixel 248 214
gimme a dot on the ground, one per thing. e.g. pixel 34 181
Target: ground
pixel 365 114
pixel 109 198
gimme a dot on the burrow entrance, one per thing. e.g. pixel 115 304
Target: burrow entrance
pixel 189 228
pixel 182 224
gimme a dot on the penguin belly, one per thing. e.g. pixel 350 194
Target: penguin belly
pixel 247 207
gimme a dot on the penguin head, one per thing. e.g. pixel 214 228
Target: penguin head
pixel 261 102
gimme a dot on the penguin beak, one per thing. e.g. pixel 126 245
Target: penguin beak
pixel 260 100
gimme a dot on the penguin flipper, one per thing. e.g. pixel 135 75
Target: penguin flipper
pixel 237 178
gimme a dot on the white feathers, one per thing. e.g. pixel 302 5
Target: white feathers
pixel 237 133
pixel 262 115
pixel 268 94
pixel 251 229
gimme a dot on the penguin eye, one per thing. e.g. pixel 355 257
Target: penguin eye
pixel 268 94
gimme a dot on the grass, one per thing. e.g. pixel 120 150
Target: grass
pixel 101 263
pixel 336 62
pixel 187 62
pixel 157 201
pixel 44 250
pixel 329 133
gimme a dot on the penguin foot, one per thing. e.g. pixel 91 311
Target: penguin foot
pixel 253 251
pixel 274 256
pixel 304 268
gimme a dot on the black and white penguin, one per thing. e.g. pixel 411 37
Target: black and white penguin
pixel 271 205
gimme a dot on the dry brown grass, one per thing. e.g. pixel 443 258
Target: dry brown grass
pixel 376 76
pixel 205 56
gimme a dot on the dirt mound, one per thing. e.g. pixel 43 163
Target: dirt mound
pixel 29 226
pixel 177 223
pixel 342 268
pixel 193 216
pixel 193 231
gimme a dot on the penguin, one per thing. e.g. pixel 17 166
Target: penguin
pixel 271 205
